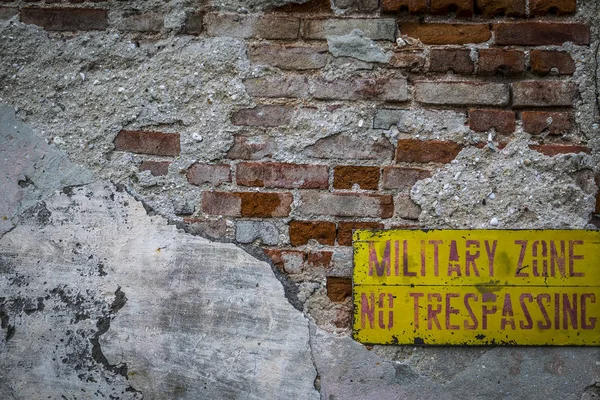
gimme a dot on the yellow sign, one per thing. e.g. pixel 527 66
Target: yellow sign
pixel 478 287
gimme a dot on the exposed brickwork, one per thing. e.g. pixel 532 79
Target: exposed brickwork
pixel 282 175
pixel 462 8
pixel 143 142
pixel 461 93
pixel 386 89
pixel 156 168
pixel 554 123
pixel 542 94
pixel 556 149
pixel 319 259
pixel 277 86
pixel 541 33
pixel 66 19
pixel 424 151
pixel 263 115
pixel 500 120
pixel 344 177
pixel 413 6
pixel 252 26
pixel 146 22
pixel 250 148
pixel 431 33
pixel 214 174
pixel 344 233
pixel 457 60
pixel 338 289
pixel 288 261
pixel 493 8
pixel 402 178
pixel 247 204
pixel 547 61
pixel 406 208
pixel 346 204
pixel 301 232
pixel 8 12
pixel 413 60
pixel 500 61
pixel 556 7
pixel 289 57
pixel 374 28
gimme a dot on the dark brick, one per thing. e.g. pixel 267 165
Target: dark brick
pixel 193 23
pixel 413 6
pixel 289 57
pixel 462 8
pixel 554 123
pixel 156 143
pixel 413 60
pixel 484 120
pixel 547 61
pixel 303 231
pixel 424 151
pixel 344 177
pixel 247 204
pixel 214 174
pixel 386 89
pixel 146 22
pixel 250 148
pixel 403 179
pixel 263 115
pixel 8 12
pixel 492 8
pixel 66 19
pixel 543 93
pixel 556 7
pixel 156 168
pixel 283 175
pixel 541 33
pixel 459 61
pixel 501 61
pixel 432 33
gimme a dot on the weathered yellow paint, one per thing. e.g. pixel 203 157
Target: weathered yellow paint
pixel 527 287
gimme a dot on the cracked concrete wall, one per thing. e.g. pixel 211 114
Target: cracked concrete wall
pixel 98 276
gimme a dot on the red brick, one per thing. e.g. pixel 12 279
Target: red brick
pixel 345 204
pixel 461 93
pixel 146 22
pixel 289 57
pixel 344 235
pixel 459 61
pixel 413 60
pixel 546 61
pixel 214 174
pixel 288 261
pixel 557 7
pixel 484 120
pixel 462 8
pixel 541 33
pixel 492 8
pixel 386 89
pixel 193 23
pixel 432 33
pixel 542 93
pixel 500 61
pixel 413 6
pixel 247 204
pixel 346 176
pixel 303 231
pixel 263 115
pixel 424 151
pixel 538 122
pixel 282 175
pixel 554 149
pixel 155 143
pixel 156 168
pixel 319 259
pixel 66 19
pixel 250 148
pixel 338 289
pixel 403 179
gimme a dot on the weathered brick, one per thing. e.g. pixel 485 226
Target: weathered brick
pixel 374 28
pixel 432 33
pixel 193 23
pixel 406 208
pixel 143 142
pixel 277 86
pixel 289 57
pixel 8 12
pixel 483 120
pixel 424 151
pixel 413 6
pixel 214 228
pixel 462 8
pixel 251 25
pixel 547 61
pixel 319 259
pixel 66 19
pixel 541 33
pixel 263 115
pixel 247 204
pixel 386 89
pixel 542 93
pixel 344 234
pixel 597 210
pixel 557 7
pixel 309 7
pixel 250 148
pixel 403 179
pixel 146 22
pixel 344 177
pixel 156 168
pixel 249 231
pixel 554 149
pixel 302 231
pixel 538 122
pixel 348 148
pixel 345 204
pixel 461 93
pixel 338 289
pixel 413 60
pixel 288 261
pixel 501 61
pixel 214 174
pixel 457 60
pixel 356 5
pixel 282 175
pixel 492 8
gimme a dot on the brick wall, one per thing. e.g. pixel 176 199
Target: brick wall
pixel 506 66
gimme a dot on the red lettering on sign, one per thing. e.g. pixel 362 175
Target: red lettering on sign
pixel 366 310
pixel 485 311
pixel 507 313
pixel 557 260
pixel 584 321
pixel 548 323
pixel 416 296
pixel 544 253
pixel 436 261
pixel 380 267
pixel 471 257
pixel 431 313
pixel 569 311
pixel 453 261
pixel 520 267
pixel 529 324
pixel 474 324
pixel 451 310
pixel 491 252
pixel 573 257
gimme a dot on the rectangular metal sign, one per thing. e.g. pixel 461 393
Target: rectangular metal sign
pixel 477 287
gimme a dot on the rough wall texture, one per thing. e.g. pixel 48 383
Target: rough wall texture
pixel 282 127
